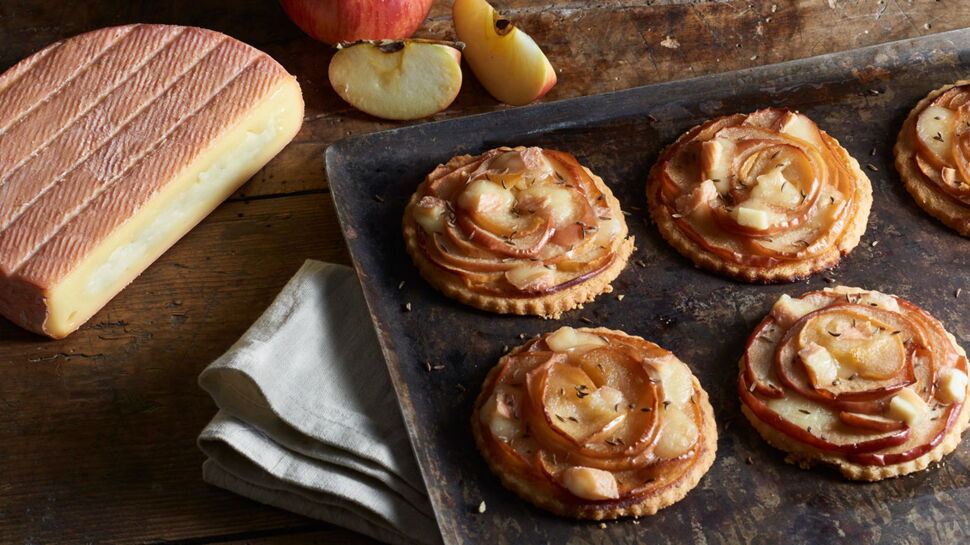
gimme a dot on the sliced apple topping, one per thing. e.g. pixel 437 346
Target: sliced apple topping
pixel 952 387
pixel 507 62
pixel 774 188
pixel 559 203
pixel 519 221
pixel 717 158
pixel 865 297
pixel 407 79
pixel 941 154
pixel 879 357
pixel 430 213
pixel 566 339
pixel 788 310
pixel 678 383
pixel 485 197
pixel 908 406
pixel 492 206
pixel 531 277
pixel 801 127
pixel 578 408
pixel 950 176
pixel 787 194
pixel 821 367
pixel 851 370
pixel 679 432
pixel 590 483
pixel 500 414
pixel 870 422
pixel 610 365
pixel 934 128
pixel 600 423
pixel 701 196
pixel 870 351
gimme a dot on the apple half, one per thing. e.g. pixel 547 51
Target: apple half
pixel 397 79
pixel 508 63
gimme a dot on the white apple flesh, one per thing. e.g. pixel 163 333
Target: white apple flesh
pixel 399 80
pixel 506 61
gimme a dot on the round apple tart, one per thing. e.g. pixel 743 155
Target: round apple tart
pixel 595 424
pixel 763 197
pixel 860 380
pixel 933 155
pixel 517 230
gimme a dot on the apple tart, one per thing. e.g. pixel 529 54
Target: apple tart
pixel 933 155
pixel 595 424
pixel 860 380
pixel 517 230
pixel 763 197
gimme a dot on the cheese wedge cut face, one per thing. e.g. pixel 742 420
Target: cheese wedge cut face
pixel 113 145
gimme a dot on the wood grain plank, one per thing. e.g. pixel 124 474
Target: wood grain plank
pixel 98 430
pixel 638 43
pixel 625 44
pixel 328 536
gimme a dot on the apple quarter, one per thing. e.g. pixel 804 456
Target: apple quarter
pixel 762 197
pixel 860 380
pixel 932 155
pixel 595 424
pixel 518 231
pixel 506 60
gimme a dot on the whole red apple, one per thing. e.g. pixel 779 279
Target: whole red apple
pixel 334 21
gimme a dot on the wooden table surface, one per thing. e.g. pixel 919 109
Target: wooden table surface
pixel 97 431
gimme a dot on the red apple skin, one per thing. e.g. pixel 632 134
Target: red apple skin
pixel 772 419
pixel 913 453
pixel 335 21
pixel 867 422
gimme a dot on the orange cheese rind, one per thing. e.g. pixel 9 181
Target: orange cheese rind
pixel 113 144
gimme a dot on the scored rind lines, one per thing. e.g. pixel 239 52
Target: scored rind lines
pixel 17 71
pixel 149 151
pixel 107 210
pixel 33 217
pixel 77 71
pixel 5 207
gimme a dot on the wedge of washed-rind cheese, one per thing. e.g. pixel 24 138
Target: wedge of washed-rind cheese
pixel 113 145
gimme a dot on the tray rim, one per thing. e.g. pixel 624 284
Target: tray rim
pixel 755 74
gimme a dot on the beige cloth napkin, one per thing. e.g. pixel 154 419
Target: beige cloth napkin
pixel 308 420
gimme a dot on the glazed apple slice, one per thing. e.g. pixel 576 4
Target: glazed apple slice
pixel 773 419
pixel 871 422
pixel 508 63
pixel 403 79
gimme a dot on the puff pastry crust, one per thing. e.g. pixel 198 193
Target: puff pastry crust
pixel 763 197
pixel 856 379
pixel 595 424
pixel 933 155
pixel 517 230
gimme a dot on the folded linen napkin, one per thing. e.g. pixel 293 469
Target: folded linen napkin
pixel 308 419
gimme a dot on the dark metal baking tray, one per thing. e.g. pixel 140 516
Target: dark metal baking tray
pixel 751 495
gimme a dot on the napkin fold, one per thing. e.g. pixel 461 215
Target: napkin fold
pixel 308 420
